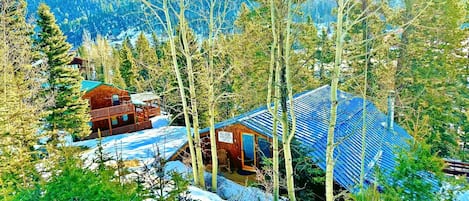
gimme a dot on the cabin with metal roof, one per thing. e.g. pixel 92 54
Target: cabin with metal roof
pixel 111 110
pixel 248 136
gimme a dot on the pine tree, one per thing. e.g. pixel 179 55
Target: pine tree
pixel 146 59
pixel 428 77
pixel 19 108
pixel 69 112
pixel 128 68
pixel 116 77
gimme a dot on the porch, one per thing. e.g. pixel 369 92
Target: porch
pixel 241 177
pixel 107 112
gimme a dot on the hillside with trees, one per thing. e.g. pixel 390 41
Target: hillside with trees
pixel 209 61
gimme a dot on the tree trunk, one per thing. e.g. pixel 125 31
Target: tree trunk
pixel 334 104
pixel 274 76
pixel 367 52
pixel 287 92
pixel 195 115
pixel 169 30
pixel 212 103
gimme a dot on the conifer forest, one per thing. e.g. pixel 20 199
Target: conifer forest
pixel 180 100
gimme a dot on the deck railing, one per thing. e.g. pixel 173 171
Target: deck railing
pixel 104 113
pixel 456 167
pixel 153 111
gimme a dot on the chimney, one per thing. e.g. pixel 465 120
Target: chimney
pixel 390 122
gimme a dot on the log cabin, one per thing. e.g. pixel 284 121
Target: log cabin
pixel 112 110
pixel 248 137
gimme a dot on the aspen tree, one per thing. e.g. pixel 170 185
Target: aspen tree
pixel 339 41
pixel 196 163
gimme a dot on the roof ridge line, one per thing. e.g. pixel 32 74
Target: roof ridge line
pixel 261 111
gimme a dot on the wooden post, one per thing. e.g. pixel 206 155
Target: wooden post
pixel 135 118
pixel 110 125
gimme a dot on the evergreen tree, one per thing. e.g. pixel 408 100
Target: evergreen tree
pixel 128 68
pixel 69 112
pixel 146 59
pixel 19 108
pixel 116 77
pixel 429 82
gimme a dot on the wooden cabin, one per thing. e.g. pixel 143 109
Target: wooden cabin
pixel 111 110
pixel 248 136
pixel 245 147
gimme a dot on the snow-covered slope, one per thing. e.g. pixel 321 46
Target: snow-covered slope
pixel 140 145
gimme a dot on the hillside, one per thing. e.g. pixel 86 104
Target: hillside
pixel 112 18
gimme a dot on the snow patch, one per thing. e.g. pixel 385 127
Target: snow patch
pixel 140 145
pixel 159 121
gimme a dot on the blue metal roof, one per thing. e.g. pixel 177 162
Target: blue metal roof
pixel 88 85
pixel 312 110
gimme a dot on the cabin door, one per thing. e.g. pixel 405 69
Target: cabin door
pixel 248 152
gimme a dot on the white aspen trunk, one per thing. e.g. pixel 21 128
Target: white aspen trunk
pixel 274 63
pixel 182 93
pixel 192 96
pixel 212 103
pixel 363 151
pixel 288 136
pixel 334 104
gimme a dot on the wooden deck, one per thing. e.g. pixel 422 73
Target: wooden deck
pixel 456 168
pixel 105 113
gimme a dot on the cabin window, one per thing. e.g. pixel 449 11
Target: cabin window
pixel 115 99
pixel 264 147
pixel 114 121
pixel 125 117
pixel 90 123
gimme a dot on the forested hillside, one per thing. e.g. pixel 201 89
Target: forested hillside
pixel 110 18
pixel 397 100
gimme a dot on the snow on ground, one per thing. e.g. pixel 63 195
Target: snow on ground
pixel 140 145
pixel 463 196
pixel 159 121
pixel 227 189
pixel 199 194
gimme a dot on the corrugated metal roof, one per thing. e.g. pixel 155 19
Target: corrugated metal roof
pixel 312 110
pixel 88 85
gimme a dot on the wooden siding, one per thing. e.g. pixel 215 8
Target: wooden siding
pixel 104 123
pixel 101 96
pixel 234 149
pixel 120 129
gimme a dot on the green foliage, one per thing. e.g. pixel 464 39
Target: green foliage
pixel 77 183
pixel 410 180
pixel 430 83
pixel 308 177
pixel 369 194
pixel 160 187
pixel 146 60
pixel 69 111
pixel 128 68
pixel 20 105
